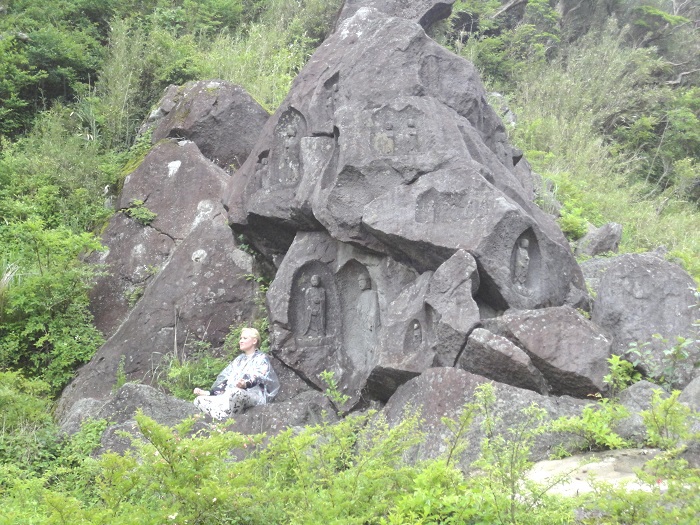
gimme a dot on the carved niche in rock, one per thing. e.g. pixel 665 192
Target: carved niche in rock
pixel 361 315
pixel 408 344
pixel 395 132
pixel 327 308
pixel 520 265
pixel 285 167
pixel 427 324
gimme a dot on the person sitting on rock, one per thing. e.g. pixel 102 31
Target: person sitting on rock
pixel 247 381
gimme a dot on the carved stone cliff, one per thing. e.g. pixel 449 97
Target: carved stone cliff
pixel 409 256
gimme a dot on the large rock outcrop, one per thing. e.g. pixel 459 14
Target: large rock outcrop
pixel 401 154
pixel 405 171
pixel 216 115
pixel 411 260
pixel 569 350
pixel 179 278
pixel 642 295
pixel 443 392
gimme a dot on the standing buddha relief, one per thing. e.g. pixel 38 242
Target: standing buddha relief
pixel 283 166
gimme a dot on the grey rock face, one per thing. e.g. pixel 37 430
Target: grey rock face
pixel 641 295
pixel 451 209
pixel 570 351
pixel 427 324
pixel 177 183
pixel 454 311
pixel 199 293
pixel 495 357
pixel 121 409
pixel 309 408
pixel 635 399
pixel 600 240
pixel 691 394
pixel 402 155
pixel 328 305
pixel 425 12
pixel 82 410
pixel 442 392
pixel 134 254
pixel 221 118
pixel 164 409
pixel 182 188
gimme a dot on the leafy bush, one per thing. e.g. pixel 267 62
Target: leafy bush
pixel 672 365
pixel 595 427
pixel 45 326
pixel 28 437
pixel 622 374
pixel 669 422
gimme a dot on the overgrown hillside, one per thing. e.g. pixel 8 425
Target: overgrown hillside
pixel 78 78
pixel 606 106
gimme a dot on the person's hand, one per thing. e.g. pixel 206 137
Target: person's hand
pixel 199 392
pixel 240 384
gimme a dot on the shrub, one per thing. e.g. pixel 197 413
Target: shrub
pixel 669 422
pixel 595 427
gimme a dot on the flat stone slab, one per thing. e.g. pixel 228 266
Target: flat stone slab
pixel 579 474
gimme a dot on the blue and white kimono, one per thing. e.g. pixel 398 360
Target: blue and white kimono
pixel 225 398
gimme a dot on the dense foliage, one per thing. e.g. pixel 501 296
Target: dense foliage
pixel 607 106
pixel 607 112
pixel 355 472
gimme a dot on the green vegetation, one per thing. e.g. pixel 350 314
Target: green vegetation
pixel 355 471
pixel 622 374
pixel 77 77
pixel 594 428
pixel 137 210
pixel 609 116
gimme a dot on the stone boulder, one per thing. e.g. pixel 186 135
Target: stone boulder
pixel 641 295
pixel 495 357
pixel 600 240
pixel 121 409
pixel 424 12
pixel 221 118
pixel 177 183
pixel 308 408
pixel 328 306
pixel 199 293
pixel 569 350
pixel 183 270
pixel 81 411
pixel 635 399
pixel 401 155
pixel 691 394
pixel 593 269
pixel 134 254
pixel 132 397
pixel 182 188
pixel 427 324
pixel 443 392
